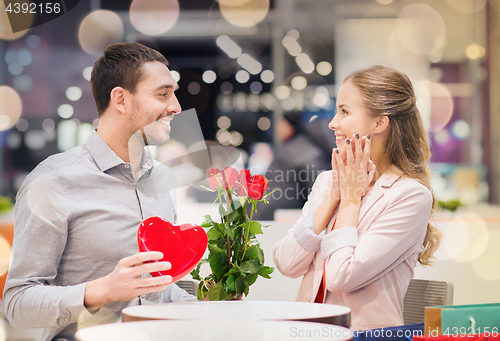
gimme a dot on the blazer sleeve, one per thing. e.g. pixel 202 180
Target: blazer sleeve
pixel 294 253
pixel 394 235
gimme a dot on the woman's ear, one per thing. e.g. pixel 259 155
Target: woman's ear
pixel 381 124
pixel 117 99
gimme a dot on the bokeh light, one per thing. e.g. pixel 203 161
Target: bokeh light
pixel 73 93
pixel 264 123
pixel 48 124
pixel 244 14
pixel 224 122
pixel 324 68
pixel 455 237
pixel 24 57
pixel 249 63
pixel 11 107
pixel 87 73
pixel 461 129
pixel 154 17
pixel 256 87
pixel 267 76
pixel 194 88
pixel 6 30
pixel 22 125
pixel 282 92
pixel 99 29
pixel 486 266
pixel 474 51
pixel 33 41
pixel 441 105
pixel 223 137
pixel 35 139
pixel 22 82
pixel 65 110
pixel 299 83
pixel 420 29
pixel 236 138
pixel 477 239
pixel 226 88
pixel 305 63
pixel 242 76
pixel 175 75
pixel 209 76
pixel 442 136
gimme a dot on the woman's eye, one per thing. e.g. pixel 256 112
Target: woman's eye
pixel 344 112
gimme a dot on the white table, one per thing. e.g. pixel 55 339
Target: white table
pixel 216 330
pixel 241 310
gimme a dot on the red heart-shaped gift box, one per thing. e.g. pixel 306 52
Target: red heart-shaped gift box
pixel 181 245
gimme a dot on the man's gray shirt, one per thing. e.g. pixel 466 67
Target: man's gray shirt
pixel 76 216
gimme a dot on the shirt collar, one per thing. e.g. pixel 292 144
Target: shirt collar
pixel 106 158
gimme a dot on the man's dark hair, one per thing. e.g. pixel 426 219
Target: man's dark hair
pixel 120 65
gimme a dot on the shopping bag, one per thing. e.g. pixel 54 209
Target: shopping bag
pixel 462 319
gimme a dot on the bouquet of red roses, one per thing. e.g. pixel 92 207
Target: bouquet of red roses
pixel 235 257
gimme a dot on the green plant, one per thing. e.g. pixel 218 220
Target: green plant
pixel 450 205
pixel 6 204
pixel 235 257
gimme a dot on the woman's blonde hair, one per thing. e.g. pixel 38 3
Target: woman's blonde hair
pixel 388 92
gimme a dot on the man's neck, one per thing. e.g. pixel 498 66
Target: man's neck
pixel 129 149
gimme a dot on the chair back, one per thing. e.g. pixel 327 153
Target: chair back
pixel 423 293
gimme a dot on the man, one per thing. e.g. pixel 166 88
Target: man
pixel 75 255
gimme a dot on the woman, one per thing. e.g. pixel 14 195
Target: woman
pixel 366 222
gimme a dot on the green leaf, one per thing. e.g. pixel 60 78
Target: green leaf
pixel 230 286
pixel 255 227
pixel 266 271
pixel 213 233
pixel 230 232
pixel 241 286
pixel 216 249
pixel 196 272
pixel 217 293
pixel 208 218
pixel 219 265
pixel 250 267
pixel 255 253
pixel 232 272
pixel 251 278
pixel 222 211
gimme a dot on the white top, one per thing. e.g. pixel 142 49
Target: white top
pixel 234 310
pixel 217 330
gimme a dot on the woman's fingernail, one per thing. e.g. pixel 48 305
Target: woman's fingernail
pixel 368 136
pixel 357 136
pixel 336 151
pixel 348 141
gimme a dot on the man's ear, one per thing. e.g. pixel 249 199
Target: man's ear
pixel 117 99
pixel 381 124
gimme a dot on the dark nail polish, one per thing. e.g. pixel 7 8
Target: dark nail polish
pixel 336 151
pixel 368 136
pixel 348 141
pixel 357 136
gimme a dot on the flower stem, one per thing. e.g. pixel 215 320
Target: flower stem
pixel 247 232
pixel 229 203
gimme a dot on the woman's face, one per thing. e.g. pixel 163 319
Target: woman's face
pixel 352 117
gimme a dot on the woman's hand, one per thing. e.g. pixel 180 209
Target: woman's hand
pixel 355 173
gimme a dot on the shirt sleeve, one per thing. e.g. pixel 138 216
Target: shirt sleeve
pixel 295 252
pixel 394 235
pixel 175 294
pixel 40 233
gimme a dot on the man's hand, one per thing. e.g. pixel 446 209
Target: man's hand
pixel 124 282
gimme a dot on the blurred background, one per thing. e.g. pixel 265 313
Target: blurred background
pixel 244 64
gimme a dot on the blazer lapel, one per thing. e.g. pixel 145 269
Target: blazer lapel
pixel 377 191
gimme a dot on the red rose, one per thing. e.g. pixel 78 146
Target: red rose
pixel 213 178
pixel 255 186
pixel 227 177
